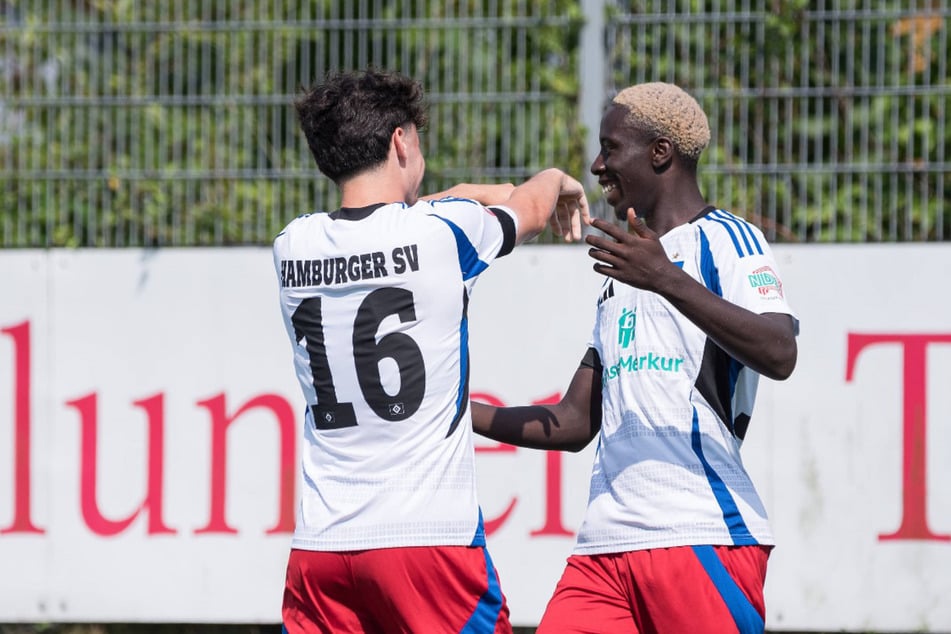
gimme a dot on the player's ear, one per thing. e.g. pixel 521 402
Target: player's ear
pixel 398 143
pixel 662 152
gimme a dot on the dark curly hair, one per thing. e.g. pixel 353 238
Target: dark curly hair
pixel 348 119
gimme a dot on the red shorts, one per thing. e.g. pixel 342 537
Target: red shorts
pixel 390 590
pixel 696 589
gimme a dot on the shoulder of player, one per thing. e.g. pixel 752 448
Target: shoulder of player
pixel 725 230
pixel 457 211
pixel 447 203
pixel 295 224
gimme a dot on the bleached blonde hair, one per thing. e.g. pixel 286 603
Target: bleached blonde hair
pixel 667 110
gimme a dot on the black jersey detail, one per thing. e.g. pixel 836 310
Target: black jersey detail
pixel 355 213
pixel 713 383
pixel 740 424
pixel 508 230
pixel 592 360
pixel 462 405
pixel 703 212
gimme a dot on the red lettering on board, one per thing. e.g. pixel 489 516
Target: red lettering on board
pixel 87 406
pixel 493 524
pixel 220 421
pixel 22 463
pixel 914 519
pixel 553 524
pixel 153 500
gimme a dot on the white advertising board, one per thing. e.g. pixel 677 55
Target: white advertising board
pixel 149 426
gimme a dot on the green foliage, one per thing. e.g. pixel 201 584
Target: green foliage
pixel 147 124
pixel 837 116
pixel 161 124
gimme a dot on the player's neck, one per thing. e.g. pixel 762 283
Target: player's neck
pixel 678 205
pixel 374 186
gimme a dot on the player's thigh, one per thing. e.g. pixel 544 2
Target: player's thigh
pixel 319 597
pixel 699 589
pixel 433 589
pixel 590 598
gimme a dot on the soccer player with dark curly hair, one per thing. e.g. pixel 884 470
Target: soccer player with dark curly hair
pixel 692 310
pixel 374 295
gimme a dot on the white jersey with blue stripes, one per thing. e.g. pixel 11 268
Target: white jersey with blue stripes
pixel 374 302
pixel 668 471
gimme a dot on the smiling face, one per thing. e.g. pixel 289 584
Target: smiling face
pixel 624 166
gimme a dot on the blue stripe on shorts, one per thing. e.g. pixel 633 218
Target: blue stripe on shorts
pixel 486 613
pixel 748 620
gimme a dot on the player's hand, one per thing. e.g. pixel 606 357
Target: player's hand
pixel 570 211
pixel 634 257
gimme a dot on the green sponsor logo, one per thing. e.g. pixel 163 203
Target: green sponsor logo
pixel 646 362
pixel 625 328
pixel 766 282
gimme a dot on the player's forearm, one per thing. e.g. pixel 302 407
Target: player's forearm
pixel 532 426
pixel 766 343
pixel 487 194
pixel 534 201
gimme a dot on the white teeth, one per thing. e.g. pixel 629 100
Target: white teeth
pixel 607 189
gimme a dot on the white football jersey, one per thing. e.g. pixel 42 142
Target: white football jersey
pixel 667 470
pixel 374 301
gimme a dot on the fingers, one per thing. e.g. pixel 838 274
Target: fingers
pixel 578 214
pixel 608 227
pixel 554 220
pixel 564 219
pixel 570 211
pixel 576 219
pixel 585 211
pixel 605 257
pixel 569 221
pixel 636 224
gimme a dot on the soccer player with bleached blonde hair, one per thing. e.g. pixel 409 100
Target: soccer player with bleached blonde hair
pixel 692 311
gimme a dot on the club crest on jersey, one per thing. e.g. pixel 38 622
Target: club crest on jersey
pixel 625 327
pixel 766 282
pixel 396 409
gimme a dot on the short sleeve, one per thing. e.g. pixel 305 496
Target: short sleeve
pixel 482 233
pixel 738 263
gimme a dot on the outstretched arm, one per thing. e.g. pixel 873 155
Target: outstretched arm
pixel 764 342
pixel 568 425
pixel 550 197
pixel 485 193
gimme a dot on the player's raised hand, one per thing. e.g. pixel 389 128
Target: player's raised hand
pixel 570 211
pixel 635 257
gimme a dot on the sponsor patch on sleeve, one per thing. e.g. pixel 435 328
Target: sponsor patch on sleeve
pixel 766 283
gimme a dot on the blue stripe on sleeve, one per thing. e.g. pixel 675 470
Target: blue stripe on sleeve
pixel 469 260
pixel 726 220
pixel 729 231
pixel 708 268
pixel 744 228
